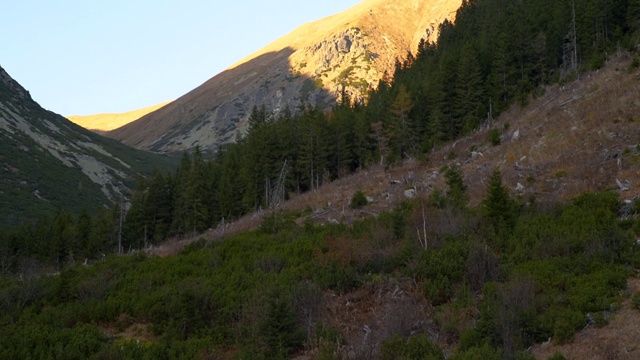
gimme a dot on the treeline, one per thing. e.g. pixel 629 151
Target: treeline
pixel 498 52
pixel 58 241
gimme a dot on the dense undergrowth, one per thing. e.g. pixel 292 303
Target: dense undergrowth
pixel 504 276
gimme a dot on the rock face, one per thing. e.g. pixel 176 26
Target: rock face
pixel 349 51
pixel 47 162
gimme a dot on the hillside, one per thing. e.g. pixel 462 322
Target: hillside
pixel 49 163
pixel 107 122
pixel 575 138
pixel 323 280
pixel 481 205
pixel 310 65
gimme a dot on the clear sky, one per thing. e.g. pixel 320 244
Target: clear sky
pixel 82 57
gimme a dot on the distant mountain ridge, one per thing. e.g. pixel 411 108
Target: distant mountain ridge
pixel 49 163
pixel 111 121
pixel 349 51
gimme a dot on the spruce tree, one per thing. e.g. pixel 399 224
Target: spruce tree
pixel 401 128
pixel 456 188
pixel 498 207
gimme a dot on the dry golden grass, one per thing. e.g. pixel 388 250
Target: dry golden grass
pixel 107 122
pixel 378 18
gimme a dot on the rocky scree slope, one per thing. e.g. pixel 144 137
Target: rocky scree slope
pixel 49 163
pixel 351 50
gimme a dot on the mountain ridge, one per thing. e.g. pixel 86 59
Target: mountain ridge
pixel 50 163
pixel 110 121
pixel 350 51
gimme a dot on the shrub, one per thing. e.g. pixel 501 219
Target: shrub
pixel 358 200
pixel 494 137
pixel 635 301
pixel 417 347
pixel 600 320
pixel 557 356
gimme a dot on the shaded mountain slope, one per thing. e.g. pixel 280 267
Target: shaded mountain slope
pixel 313 64
pixel 48 163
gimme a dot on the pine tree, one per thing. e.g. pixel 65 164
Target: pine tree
pixel 84 233
pixel 401 128
pixel 456 189
pixel 180 208
pixel 470 100
pixel 498 206
pixel 195 196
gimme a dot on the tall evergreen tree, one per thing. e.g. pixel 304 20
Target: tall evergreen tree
pixel 401 129
pixel 470 100
pixel 498 206
pixel 456 189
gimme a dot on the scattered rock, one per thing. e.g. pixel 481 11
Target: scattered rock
pixel 520 187
pixel 475 154
pixel 410 193
pixel 370 199
pixel 516 135
pixel 623 186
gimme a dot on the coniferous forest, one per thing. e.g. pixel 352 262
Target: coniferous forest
pixel 508 276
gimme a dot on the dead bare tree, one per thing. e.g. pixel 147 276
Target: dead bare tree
pixel 422 238
pixel 275 194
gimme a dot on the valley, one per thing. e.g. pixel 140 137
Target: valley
pixel 480 202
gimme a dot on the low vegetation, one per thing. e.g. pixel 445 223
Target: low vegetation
pixel 541 269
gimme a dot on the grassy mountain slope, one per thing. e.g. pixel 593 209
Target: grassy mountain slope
pixel 49 162
pixel 312 64
pixel 107 122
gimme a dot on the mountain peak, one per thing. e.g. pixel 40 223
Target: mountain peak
pixel 13 87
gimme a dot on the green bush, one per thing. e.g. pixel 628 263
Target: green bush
pixel 494 137
pixel 635 301
pixel 358 200
pixel 557 356
pixel 416 347
pixel 566 325
pixel 484 352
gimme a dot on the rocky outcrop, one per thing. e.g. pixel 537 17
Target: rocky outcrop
pixel 12 87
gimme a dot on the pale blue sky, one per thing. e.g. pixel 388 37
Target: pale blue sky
pixel 81 57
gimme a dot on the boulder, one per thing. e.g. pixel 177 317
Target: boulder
pixel 516 135
pixel 410 193
pixel 344 45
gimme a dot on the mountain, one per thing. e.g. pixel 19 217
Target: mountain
pixel 49 163
pixel 351 50
pixel 106 122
